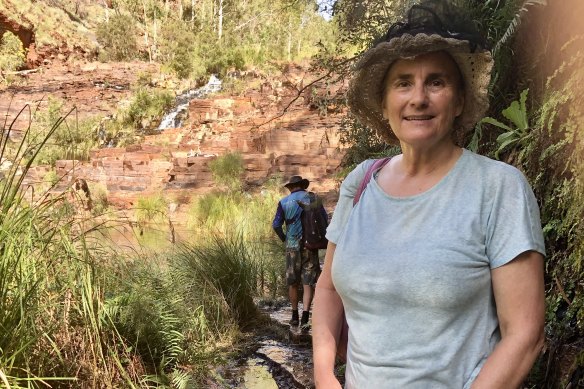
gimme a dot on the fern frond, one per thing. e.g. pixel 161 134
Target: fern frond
pixel 514 23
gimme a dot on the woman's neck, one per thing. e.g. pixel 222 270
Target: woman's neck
pixel 424 162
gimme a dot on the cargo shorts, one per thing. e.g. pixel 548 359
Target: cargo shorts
pixel 302 266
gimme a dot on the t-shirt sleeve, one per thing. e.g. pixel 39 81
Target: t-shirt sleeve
pixel 345 204
pixel 279 217
pixel 514 225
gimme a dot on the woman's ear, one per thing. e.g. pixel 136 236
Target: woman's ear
pixel 460 106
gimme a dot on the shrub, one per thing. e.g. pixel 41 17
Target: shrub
pixel 250 218
pixel 117 37
pixel 223 265
pixel 151 209
pixel 146 106
pixel 12 55
pixel 144 79
pixel 227 170
pixel 99 198
pixel 51 178
pixel 220 61
pixel 51 290
pixel 73 139
pixel 153 314
pixel 177 45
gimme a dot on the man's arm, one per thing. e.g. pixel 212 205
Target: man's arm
pixel 324 214
pixel 279 222
pixel 280 232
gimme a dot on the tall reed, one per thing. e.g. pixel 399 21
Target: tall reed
pixel 50 295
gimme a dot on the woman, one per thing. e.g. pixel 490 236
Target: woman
pixel 439 266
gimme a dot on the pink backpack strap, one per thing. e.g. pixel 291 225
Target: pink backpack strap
pixel 378 164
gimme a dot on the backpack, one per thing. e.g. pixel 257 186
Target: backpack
pixel 314 223
pixel 378 164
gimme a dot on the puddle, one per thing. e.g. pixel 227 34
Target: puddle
pixel 258 376
pixel 294 360
pixel 280 361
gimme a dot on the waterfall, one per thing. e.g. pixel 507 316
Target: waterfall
pixel 175 118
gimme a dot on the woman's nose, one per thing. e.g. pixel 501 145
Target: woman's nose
pixel 419 95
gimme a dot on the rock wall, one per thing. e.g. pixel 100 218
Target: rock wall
pixel 300 142
pixel 24 32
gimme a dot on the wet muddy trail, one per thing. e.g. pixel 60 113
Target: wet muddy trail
pixel 280 358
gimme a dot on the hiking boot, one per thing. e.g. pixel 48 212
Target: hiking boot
pixel 304 326
pixel 294 321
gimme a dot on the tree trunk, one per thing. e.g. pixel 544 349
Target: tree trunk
pixel 154 38
pixel 146 40
pixel 105 2
pixel 220 30
pixel 289 41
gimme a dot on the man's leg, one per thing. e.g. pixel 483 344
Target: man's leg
pixel 307 298
pixel 293 267
pixel 310 272
pixel 293 295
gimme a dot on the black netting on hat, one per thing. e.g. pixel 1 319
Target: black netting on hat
pixel 438 17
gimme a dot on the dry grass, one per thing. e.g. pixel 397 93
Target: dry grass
pixel 53 25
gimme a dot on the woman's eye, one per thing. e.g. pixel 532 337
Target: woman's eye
pixel 402 84
pixel 437 83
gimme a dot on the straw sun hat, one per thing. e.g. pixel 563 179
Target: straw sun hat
pixel 430 26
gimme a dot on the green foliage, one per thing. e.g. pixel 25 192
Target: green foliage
pixel 51 178
pixel 72 139
pixel 227 170
pixel 50 287
pixel 137 117
pixel 177 47
pixel 12 55
pixel 558 170
pixel 146 105
pixel 222 265
pixel 362 22
pixel 363 143
pixel 249 217
pixel 151 209
pixel 223 60
pixel 99 199
pixel 159 317
pixel 198 38
pixel 77 311
pixel 519 134
pixel 117 37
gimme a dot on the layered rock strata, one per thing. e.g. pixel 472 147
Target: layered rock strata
pixel 302 141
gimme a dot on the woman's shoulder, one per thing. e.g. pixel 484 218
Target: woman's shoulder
pixel 486 168
pixel 355 176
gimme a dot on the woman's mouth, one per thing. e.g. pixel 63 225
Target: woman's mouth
pixel 418 117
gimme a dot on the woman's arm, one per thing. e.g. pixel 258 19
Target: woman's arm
pixel 326 326
pixel 519 295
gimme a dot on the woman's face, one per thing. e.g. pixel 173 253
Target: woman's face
pixel 422 98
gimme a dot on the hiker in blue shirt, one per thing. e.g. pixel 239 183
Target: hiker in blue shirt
pixel 302 265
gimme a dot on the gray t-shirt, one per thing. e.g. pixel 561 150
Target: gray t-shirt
pixel 414 272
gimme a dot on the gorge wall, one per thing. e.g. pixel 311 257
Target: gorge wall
pixel 304 140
